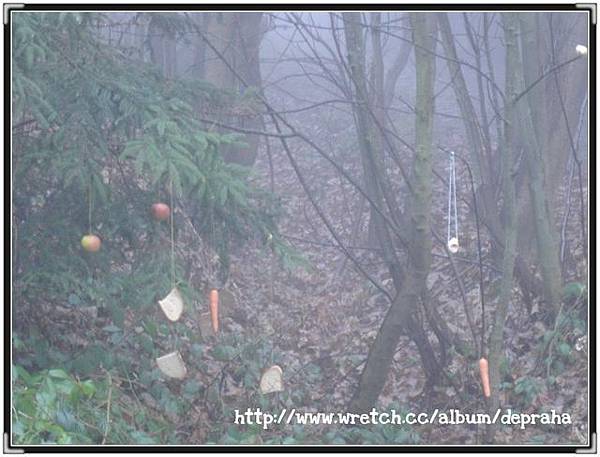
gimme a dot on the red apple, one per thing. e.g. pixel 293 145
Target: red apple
pixel 91 243
pixel 161 211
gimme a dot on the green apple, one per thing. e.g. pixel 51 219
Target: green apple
pixel 91 243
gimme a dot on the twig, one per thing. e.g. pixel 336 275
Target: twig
pixel 461 288
pixel 572 144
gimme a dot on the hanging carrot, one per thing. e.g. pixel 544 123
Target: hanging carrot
pixel 214 309
pixel 484 372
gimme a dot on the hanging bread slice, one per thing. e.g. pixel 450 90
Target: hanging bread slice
pixel 172 365
pixel 272 380
pixel 172 305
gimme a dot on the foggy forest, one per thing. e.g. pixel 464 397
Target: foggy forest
pixel 312 215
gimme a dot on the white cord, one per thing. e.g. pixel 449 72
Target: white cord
pixel 449 215
pixel 452 212
pixel 454 196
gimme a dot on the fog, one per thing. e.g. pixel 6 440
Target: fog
pixel 299 211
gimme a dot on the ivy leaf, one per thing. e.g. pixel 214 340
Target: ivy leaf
pixel 223 352
pixel 58 374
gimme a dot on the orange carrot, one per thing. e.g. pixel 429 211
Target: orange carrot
pixel 484 372
pixel 214 309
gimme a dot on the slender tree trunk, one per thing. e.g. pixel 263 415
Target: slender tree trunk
pixel 496 342
pixel 199 54
pixel 398 65
pixel 469 116
pixel 368 139
pixel 425 37
pixel 544 224
pixel 484 124
pixel 400 317
pixel 463 98
pixel 422 174
pixel 375 98
pixel 488 194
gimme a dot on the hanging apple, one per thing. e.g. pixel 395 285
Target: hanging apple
pixel 91 243
pixel 161 211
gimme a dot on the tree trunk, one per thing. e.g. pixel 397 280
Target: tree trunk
pixel 496 342
pixel 236 38
pixel 544 224
pixel 422 174
pixel 401 315
pixel 163 46
pixel 247 37
pixel 394 72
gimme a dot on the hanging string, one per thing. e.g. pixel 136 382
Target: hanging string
pixel 454 196
pixel 212 249
pixel 172 231
pixel 453 247
pixel 452 205
pixel 90 206
pixel 480 261
pixel 479 254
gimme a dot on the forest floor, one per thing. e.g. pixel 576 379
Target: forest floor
pixel 328 315
pixel 320 320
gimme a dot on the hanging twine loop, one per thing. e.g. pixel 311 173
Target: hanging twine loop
pixel 452 238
